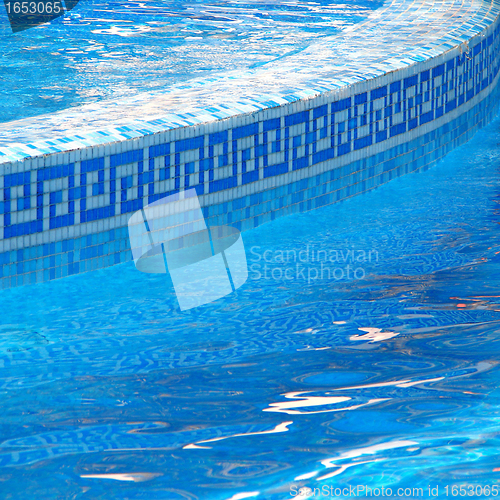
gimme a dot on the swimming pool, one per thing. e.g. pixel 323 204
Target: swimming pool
pixel 388 380
pixel 385 97
pixel 362 350
pixel 108 50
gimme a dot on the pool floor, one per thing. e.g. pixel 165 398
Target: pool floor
pixel 382 372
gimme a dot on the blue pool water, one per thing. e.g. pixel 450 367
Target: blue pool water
pixel 386 378
pixel 113 49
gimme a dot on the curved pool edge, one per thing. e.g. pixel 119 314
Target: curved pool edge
pixel 66 212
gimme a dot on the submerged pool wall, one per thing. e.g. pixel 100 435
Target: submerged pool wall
pixel 67 213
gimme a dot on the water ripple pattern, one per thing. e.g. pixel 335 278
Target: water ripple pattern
pixel 384 378
pixel 115 49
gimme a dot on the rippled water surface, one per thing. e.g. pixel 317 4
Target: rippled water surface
pixel 108 49
pixel 386 377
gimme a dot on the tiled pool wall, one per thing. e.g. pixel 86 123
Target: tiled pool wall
pixel 67 213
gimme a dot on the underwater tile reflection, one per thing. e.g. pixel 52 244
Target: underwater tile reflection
pixel 110 391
